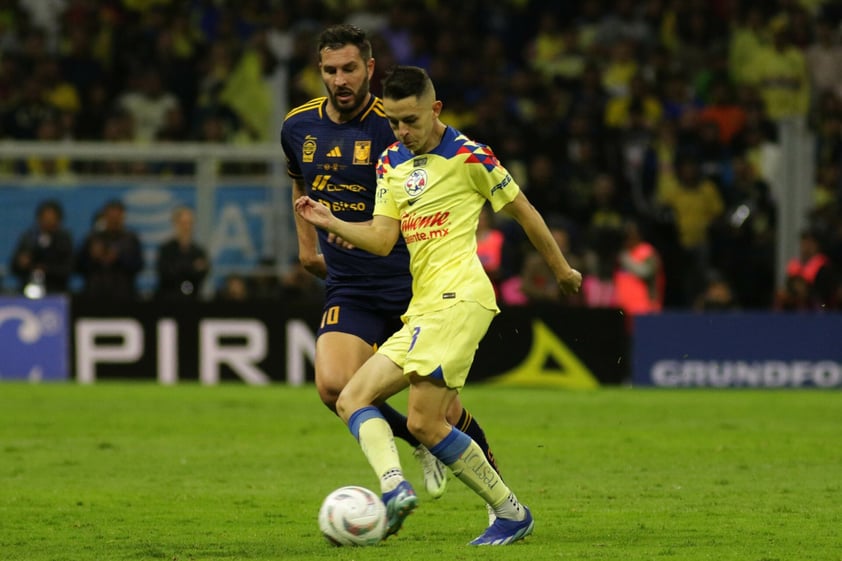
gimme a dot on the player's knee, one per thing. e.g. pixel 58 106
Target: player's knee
pixel 345 406
pixel 329 394
pixel 421 428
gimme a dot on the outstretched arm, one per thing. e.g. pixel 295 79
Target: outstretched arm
pixel 568 278
pixel 377 236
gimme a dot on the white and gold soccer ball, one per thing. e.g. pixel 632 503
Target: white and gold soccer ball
pixel 353 515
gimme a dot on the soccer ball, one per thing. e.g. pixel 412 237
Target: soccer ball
pixel 353 515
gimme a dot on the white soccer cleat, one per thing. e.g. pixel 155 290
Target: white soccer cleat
pixel 435 472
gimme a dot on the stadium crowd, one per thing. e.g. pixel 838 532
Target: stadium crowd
pixel 646 132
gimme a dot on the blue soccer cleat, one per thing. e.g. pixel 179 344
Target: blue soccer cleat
pixel 504 532
pixel 400 502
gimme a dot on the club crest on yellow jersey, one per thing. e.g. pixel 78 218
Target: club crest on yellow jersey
pixel 416 183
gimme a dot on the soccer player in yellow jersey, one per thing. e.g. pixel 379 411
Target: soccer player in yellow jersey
pixel 431 187
pixel 331 144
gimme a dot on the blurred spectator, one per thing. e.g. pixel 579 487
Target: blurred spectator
pixel 698 35
pixel 717 295
pixel 749 37
pixel 623 22
pixel 95 110
pixel 490 245
pixel 234 289
pixel 635 103
pixel 300 286
pixel 780 73
pixel 824 60
pixel 542 184
pixel 25 115
pixel 110 257
pixel 182 263
pixel 743 238
pixel 58 92
pixel 724 111
pixel 56 167
pixel 695 202
pixel 43 258
pixel 535 284
pixel 266 281
pixel 639 278
pixel 77 62
pixel 581 174
pixel 607 210
pixel 794 296
pixel 598 282
pixel 812 268
pixel 677 97
pixel 147 102
pixel 621 68
pixel 588 97
pixel 827 124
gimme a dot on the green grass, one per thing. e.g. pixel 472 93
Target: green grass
pixel 138 471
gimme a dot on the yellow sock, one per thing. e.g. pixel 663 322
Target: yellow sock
pixel 472 468
pixel 378 445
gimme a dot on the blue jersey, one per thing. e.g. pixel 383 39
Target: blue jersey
pixel 336 163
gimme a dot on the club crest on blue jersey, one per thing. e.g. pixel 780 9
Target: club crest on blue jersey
pixel 416 183
pixel 362 152
pixel 308 149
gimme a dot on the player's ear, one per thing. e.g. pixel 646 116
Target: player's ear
pixel 437 105
pixel 370 67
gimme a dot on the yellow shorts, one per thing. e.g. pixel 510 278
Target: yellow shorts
pixel 441 343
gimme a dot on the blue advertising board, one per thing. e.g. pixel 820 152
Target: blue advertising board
pixel 771 350
pixel 244 229
pixel 34 339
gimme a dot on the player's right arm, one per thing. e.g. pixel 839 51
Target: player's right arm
pixel 308 240
pixel 377 236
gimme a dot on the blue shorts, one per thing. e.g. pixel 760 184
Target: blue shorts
pixel 369 308
pixel 372 326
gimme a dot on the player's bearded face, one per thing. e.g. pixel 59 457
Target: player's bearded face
pixel 346 78
pixel 345 98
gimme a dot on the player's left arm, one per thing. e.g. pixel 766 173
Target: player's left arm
pixel 568 278
pixel 377 236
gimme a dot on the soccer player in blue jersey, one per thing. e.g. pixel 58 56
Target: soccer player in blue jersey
pixel 431 187
pixel 331 145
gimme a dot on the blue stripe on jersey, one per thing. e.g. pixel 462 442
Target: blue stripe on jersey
pixel 452 143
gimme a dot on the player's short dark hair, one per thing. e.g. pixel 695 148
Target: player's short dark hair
pixel 337 36
pixel 50 204
pixel 406 81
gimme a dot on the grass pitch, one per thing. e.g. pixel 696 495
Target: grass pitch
pixel 139 471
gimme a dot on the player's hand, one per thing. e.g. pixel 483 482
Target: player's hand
pixel 316 214
pixel 571 282
pixel 334 239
